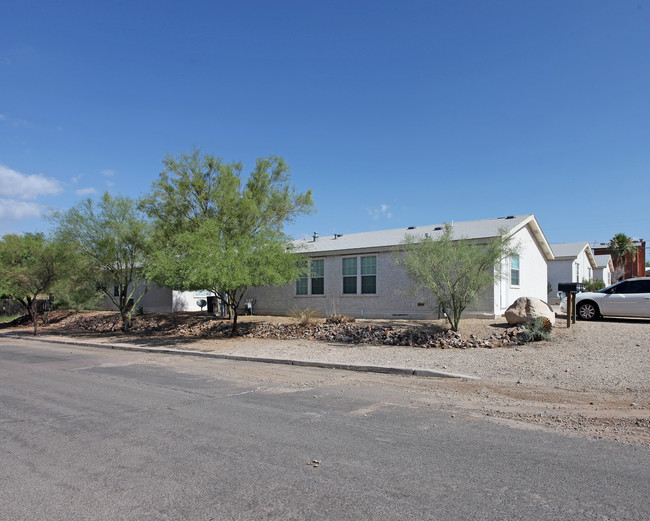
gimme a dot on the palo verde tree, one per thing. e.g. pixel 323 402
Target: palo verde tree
pixel 450 272
pixel 30 265
pixel 114 238
pixel 216 232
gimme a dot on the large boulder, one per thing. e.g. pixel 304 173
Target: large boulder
pixel 527 309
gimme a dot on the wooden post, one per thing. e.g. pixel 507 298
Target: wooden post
pixel 568 309
pixel 573 307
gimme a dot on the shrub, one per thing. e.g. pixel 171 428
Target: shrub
pixel 594 285
pixel 304 317
pixel 539 329
pixel 337 318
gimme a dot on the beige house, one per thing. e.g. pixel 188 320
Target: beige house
pixel 355 274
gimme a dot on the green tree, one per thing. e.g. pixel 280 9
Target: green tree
pixel 114 238
pixel 30 265
pixel 216 232
pixel 621 247
pixel 451 273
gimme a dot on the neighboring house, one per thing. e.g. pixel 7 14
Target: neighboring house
pixel 604 268
pixel 634 265
pixel 574 262
pixel 355 274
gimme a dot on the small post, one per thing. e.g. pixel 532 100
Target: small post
pixel 573 307
pixel 568 308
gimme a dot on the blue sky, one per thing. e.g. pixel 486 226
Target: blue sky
pixel 393 113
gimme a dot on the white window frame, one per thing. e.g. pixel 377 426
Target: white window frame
pixel 358 275
pixel 517 270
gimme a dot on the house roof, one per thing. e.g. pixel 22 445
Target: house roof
pixel 570 250
pixel 603 261
pixel 388 239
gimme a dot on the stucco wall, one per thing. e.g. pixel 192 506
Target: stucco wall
pixel 156 300
pixel 392 298
pixel 569 270
pixel 533 275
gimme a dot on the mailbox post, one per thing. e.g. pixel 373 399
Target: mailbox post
pixel 570 289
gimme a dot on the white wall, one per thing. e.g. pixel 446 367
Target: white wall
pixel 533 275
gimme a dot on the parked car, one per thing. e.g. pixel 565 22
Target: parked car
pixel 628 298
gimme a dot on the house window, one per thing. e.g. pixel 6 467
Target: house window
pixel 514 270
pixel 202 293
pixel 367 267
pixel 577 272
pixel 116 291
pixel 318 277
pixel 350 276
pixel 368 275
pixel 314 273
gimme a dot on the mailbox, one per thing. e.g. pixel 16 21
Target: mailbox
pixel 567 287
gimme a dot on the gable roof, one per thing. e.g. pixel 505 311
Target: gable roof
pixel 604 261
pixel 388 239
pixel 570 250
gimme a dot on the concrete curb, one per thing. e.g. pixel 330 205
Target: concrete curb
pixel 404 371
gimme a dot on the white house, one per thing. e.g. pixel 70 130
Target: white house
pixel 355 274
pixel 574 262
pixel 604 268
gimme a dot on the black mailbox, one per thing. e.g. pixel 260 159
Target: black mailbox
pixel 571 286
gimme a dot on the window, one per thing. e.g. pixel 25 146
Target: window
pixel 318 277
pixel 367 267
pixel 116 291
pixel 577 272
pixel 350 276
pixel 514 270
pixel 314 273
pixel 368 275
pixel 202 293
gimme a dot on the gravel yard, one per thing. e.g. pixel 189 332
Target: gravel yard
pixel 591 379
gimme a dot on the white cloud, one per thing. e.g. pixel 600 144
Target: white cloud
pixel 15 184
pixel 381 212
pixel 108 173
pixel 16 210
pixel 86 191
pixel 3 117
pixel 75 179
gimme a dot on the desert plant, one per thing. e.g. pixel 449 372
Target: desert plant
pixel 594 285
pixel 538 329
pixel 338 318
pixel 304 317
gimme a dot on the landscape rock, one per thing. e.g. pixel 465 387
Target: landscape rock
pixel 527 309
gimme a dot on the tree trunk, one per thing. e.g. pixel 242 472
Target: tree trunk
pixel 235 325
pixel 34 314
pixel 126 321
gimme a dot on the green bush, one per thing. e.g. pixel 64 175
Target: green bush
pixel 539 329
pixel 594 285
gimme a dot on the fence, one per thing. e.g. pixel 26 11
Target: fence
pixel 9 307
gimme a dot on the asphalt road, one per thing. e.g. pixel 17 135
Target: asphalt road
pixel 94 434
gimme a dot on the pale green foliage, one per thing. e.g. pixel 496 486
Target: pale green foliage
pixel 535 331
pixel 215 232
pixel 451 273
pixel 594 285
pixel 114 238
pixel 30 264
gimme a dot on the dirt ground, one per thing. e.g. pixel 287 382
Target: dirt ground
pixel 591 380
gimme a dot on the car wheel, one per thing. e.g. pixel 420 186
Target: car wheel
pixel 588 311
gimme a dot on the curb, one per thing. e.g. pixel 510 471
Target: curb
pixel 404 371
